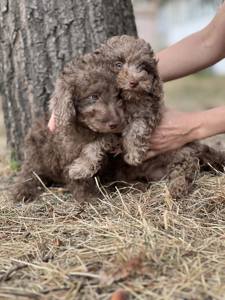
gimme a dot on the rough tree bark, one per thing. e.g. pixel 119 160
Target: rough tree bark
pixel 37 37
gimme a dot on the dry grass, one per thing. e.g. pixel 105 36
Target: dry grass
pixel 148 244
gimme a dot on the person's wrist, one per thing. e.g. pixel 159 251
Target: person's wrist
pixel 212 122
pixel 196 129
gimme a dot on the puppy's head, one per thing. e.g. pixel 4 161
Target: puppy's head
pixel 133 61
pixel 87 94
pixel 98 102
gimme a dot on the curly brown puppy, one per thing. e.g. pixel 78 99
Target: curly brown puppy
pixel 133 62
pixel 88 111
pixel 111 120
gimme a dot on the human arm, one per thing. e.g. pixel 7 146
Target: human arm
pixel 195 52
pixel 191 54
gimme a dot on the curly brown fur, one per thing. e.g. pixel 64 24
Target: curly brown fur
pixel 88 116
pixel 179 168
pixel 133 62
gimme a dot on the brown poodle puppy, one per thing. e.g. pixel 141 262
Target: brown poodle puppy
pixel 133 62
pixel 110 120
pixel 88 110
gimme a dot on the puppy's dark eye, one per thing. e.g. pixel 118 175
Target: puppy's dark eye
pixel 93 98
pixel 86 101
pixel 119 65
pixel 145 66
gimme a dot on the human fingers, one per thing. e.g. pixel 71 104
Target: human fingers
pixel 162 148
pixel 51 123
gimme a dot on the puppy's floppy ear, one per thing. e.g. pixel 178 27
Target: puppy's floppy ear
pixel 150 50
pixel 62 105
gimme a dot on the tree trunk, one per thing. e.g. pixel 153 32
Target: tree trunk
pixel 37 37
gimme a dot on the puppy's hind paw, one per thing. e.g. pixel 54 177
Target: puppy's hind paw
pixel 24 193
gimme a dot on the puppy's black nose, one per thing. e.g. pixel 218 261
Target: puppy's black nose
pixel 133 83
pixel 113 125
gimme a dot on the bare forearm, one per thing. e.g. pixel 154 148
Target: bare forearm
pixel 184 58
pixel 211 122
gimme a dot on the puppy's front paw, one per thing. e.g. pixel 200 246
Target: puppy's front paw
pixel 133 159
pixel 81 169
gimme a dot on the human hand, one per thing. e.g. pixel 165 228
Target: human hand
pixel 175 130
pixel 51 123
